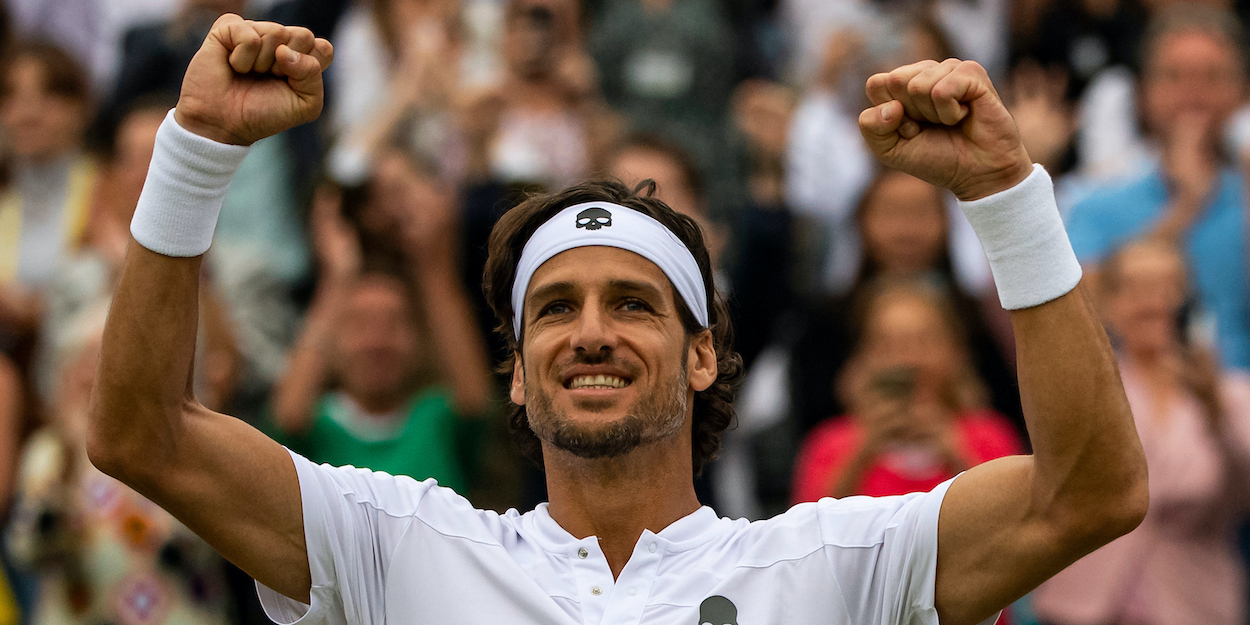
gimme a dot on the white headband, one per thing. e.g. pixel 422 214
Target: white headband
pixel 611 225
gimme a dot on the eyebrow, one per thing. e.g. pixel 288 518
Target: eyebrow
pixel 549 290
pixel 555 289
pixel 646 289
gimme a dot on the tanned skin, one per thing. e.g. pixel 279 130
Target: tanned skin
pixel 1004 527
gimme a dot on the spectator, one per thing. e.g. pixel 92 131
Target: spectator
pixel 917 413
pixel 1193 79
pixel 397 75
pixel 44 210
pixel 354 392
pixel 155 55
pixel 1181 565
pixel 1083 37
pixel 545 124
pixel 828 167
pixel 905 227
pixel 103 553
pixel 667 66
pixel 977 30
pixel 678 182
pixel 124 170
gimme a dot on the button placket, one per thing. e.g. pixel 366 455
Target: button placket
pixel 633 587
pixel 593 578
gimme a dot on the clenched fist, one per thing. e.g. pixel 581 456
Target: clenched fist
pixel 251 80
pixel 944 123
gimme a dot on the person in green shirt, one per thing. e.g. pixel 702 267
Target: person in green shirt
pixel 355 391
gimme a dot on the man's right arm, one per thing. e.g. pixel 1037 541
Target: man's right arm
pixel 223 479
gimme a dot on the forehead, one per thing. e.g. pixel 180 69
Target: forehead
pixel 596 266
pixel 1191 47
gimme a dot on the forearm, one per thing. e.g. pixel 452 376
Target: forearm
pixel 845 482
pixel 455 336
pixel 143 380
pixel 1088 460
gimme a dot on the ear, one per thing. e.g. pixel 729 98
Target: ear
pixel 701 362
pixel 517 390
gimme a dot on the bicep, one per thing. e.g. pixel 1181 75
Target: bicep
pixel 992 547
pixel 238 490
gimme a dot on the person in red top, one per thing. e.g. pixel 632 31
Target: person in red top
pixel 918 415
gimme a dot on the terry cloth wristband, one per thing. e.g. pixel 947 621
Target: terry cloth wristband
pixel 182 196
pixel 1024 239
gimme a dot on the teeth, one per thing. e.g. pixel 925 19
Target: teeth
pixel 597 381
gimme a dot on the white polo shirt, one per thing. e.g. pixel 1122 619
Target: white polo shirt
pixel 387 549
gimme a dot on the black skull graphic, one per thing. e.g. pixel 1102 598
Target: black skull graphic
pixel 717 610
pixel 594 219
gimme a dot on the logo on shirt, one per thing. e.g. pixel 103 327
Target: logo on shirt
pixel 717 610
pixel 594 219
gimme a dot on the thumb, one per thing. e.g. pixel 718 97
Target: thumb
pixel 303 72
pixel 880 126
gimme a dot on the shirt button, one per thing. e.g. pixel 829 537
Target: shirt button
pixel 631 591
pixel 651 547
pixel 582 553
pixel 596 591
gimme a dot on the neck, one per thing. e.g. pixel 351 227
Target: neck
pixel 380 403
pixel 615 499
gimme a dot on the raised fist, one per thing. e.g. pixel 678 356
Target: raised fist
pixel 944 123
pixel 251 80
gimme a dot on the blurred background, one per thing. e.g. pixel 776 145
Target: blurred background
pixel 342 311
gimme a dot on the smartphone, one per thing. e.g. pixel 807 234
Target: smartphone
pixel 896 382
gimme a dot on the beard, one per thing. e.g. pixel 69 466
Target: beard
pixel 658 414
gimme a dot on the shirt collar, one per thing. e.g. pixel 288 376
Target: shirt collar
pixel 685 533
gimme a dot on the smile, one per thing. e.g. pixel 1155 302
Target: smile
pixel 597 381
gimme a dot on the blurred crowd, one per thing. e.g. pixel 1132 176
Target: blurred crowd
pixel 342 311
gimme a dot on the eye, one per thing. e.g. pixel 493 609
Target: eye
pixel 555 308
pixel 635 305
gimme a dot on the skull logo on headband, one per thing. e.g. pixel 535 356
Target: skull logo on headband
pixel 594 219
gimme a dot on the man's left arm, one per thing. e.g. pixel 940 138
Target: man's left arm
pixel 1008 525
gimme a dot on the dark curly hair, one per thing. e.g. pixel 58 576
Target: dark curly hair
pixel 713 408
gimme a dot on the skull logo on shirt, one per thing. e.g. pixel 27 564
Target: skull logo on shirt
pixel 717 610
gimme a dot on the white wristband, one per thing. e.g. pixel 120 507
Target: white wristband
pixel 1024 239
pixel 186 183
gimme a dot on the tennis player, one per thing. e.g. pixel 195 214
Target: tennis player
pixel 622 384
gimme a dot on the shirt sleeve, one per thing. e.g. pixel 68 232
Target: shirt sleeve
pixel 353 520
pixel 883 552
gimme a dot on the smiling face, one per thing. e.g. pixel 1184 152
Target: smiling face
pixel 39 123
pixel 1144 291
pixel 1191 77
pixel 606 364
pixel 903 225
pixel 377 343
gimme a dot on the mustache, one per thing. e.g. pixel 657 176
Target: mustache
pixel 604 358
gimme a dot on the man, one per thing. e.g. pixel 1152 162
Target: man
pixel 1193 78
pixel 623 381
pixel 365 333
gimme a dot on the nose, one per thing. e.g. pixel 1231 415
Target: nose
pixel 592 332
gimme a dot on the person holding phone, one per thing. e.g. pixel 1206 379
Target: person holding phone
pixel 918 408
